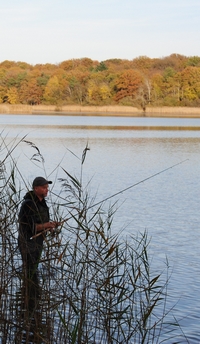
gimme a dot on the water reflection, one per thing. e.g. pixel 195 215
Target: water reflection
pixel 96 121
pixel 29 318
pixel 167 206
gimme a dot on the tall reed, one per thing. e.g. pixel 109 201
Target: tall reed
pixel 92 287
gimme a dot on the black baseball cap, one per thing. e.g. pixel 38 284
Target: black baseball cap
pixel 40 181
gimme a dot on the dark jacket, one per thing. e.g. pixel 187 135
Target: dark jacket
pixel 32 212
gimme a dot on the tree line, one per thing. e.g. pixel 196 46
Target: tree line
pixel 168 81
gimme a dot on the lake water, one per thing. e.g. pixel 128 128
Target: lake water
pixel 123 152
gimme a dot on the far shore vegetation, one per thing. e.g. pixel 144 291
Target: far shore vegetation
pixel 76 110
pixel 131 87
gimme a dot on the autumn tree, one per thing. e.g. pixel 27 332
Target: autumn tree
pixel 98 93
pixel 77 86
pixel 171 80
pixel 157 88
pixel 30 92
pixel 12 95
pixel 2 94
pixel 165 87
pixel 142 63
pixel 143 96
pixel 170 90
pixel 193 61
pixel 128 84
pixel 81 64
pixel 7 64
pixel 52 91
pixel 99 90
pixel 10 81
pixel 118 65
pixel 175 61
pixel 190 83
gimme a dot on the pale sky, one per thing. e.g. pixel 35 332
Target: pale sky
pixel 52 31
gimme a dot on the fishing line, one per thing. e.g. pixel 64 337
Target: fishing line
pixel 141 181
pixel 131 186
pixel 121 191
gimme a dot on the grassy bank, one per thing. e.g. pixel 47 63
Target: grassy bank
pixel 117 110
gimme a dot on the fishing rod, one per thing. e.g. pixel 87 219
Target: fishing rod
pixel 118 193
pixel 48 229
pixel 141 181
pixel 59 224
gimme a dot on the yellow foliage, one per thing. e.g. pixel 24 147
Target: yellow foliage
pixel 189 94
pixel 12 95
pixel 104 91
pixel 52 90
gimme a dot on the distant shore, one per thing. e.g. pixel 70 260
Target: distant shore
pixel 77 110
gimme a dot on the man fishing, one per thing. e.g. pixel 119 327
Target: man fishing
pixel 34 219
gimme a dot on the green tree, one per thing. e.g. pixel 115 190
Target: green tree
pixel 101 67
pixel 194 61
pixel 77 85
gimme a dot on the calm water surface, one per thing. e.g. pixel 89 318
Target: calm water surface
pixel 167 205
pixel 35 120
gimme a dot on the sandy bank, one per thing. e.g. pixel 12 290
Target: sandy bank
pixel 100 110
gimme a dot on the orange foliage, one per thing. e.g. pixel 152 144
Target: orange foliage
pixel 127 84
pixel 165 81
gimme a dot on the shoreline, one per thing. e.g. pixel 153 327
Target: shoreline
pixel 76 110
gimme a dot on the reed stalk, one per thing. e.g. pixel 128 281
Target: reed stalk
pixel 93 286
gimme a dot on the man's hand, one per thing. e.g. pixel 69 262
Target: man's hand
pixel 47 226
pixel 50 225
